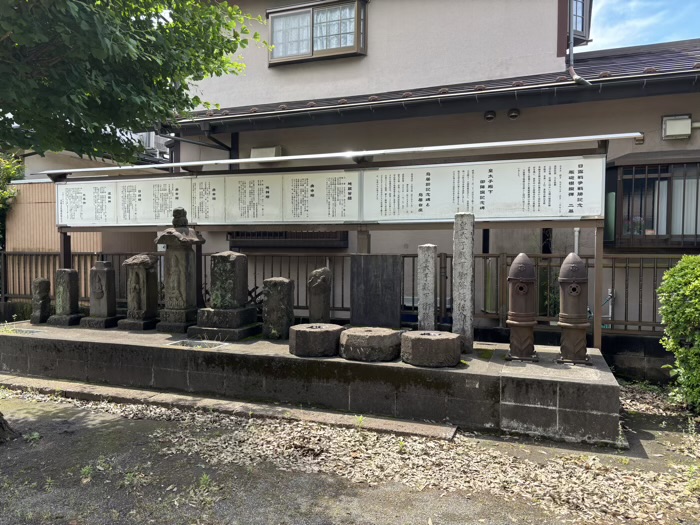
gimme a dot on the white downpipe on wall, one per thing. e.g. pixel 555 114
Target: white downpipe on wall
pixel 577 235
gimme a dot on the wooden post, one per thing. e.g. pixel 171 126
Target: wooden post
pixel 66 256
pixel 598 288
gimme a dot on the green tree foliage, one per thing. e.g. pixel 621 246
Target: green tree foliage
pixel 77 74
pixel 679 295
pixel 11 169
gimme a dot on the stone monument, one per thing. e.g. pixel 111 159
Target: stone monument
pixel 180 281
pixel 103 297
pixel 67 292
pixel 427 255
pixel 228 319
pixel 318 293
pixel 376 290
pixel 141 293
pixel 463 279
pixel 278 307
pixel 41 301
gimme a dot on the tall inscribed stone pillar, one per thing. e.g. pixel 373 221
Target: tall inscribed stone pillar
pixel 463 280
pixel 427 256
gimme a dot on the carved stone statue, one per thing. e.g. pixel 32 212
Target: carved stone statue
pixel 142 293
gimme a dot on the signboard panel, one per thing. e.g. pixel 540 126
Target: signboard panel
pixel 533 189
pixel 253 198
pixel 208 200
pixel 322 197
pixel 563 188
pixel 146 202
pixel 86 204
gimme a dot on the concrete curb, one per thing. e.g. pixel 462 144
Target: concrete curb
pixel 90 392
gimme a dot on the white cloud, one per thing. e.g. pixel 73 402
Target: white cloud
pixel 622 23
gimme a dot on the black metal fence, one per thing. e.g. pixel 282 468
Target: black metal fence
pixel 629 305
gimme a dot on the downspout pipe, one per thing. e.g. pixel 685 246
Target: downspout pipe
pixel 574 76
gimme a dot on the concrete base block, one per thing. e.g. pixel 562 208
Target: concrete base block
pixel 173 328
pixel 188 317
pixel 370 344
pixel 431 349
pixel 314 340
pixel 562 402
pixel 64 320
pixel 99 322
pixel 235 318
pixel 224 334
pixel 137 324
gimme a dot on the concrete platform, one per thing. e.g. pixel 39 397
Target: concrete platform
pixel 574 403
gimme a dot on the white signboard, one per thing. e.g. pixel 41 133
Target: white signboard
pixel 253 199
pixel 208 200
pixel 322 197
pixel 145 202
pixel 87 204
pixel 549 189
pixel 524 189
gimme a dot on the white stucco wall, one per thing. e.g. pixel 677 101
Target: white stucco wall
pixel 411 44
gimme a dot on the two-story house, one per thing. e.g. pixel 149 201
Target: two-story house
pixel 382 75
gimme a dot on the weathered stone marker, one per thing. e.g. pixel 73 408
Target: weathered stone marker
pixel 370 344
pixel 430 349
pixel 573 310
pixel 67 292
pixel 41 301
pixel 318 293
pixel 278 307
pixel 228 319
pixel 521 310
pixel 314 339
pixel 427 256
pixel 103 297
pixel 141 293
pixel 463 279
pixel 375 296
pixel 180 280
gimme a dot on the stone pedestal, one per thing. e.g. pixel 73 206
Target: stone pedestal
pixel 430 349
pixel 318 294
pixel 278 307
pixel 67 294
pixel 228 319
pixel 180 277
pixel 141 293
pixel 427 256
pixel 463 280
pixel 103 297
pixel 41 301
pixel 370 344
pixel 314 340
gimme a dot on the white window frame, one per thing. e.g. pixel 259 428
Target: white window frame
pixel 360 41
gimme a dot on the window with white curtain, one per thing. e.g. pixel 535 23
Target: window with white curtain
pixel 332 28
pixel 659 205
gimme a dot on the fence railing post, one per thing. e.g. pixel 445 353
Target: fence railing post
pixel 502 290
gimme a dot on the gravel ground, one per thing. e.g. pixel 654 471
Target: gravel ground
pixel 594 486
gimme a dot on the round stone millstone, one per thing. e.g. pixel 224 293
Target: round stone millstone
pixel 370 344
pixel 431 349
pixel 314 340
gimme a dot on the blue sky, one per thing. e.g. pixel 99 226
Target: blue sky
pixel 623 23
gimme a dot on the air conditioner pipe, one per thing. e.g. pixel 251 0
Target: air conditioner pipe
pixel 574 76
